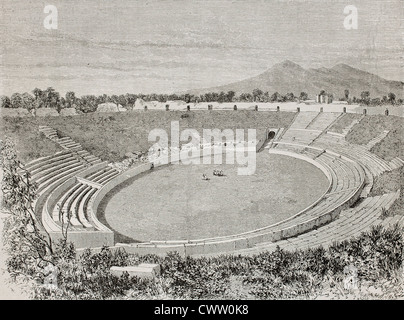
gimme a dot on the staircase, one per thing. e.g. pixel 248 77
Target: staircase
pixel 377 139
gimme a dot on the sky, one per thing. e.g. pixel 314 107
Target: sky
pixel 166 46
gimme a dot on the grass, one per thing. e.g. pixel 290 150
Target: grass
pixel 391 146
pixel 111 135
pixel 389 181
pixel 31 144
pixel 174 203
pixel 371 126
pixel 344 122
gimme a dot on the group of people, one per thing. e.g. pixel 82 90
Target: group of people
pixel 218 173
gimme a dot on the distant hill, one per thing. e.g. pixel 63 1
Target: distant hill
pixel 290 77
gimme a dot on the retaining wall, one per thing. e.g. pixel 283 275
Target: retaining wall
pixel 249 239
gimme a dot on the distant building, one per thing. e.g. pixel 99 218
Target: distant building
pixel 324 98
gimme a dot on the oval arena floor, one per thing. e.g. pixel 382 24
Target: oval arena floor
pixel 174 203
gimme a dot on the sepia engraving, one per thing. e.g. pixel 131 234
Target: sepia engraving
pixel 202 150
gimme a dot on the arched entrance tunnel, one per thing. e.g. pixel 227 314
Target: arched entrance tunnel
pixel 271 135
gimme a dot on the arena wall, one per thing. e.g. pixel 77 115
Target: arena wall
pixel 248 239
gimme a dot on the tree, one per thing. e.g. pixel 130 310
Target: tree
pixel 70 99
pixel 131 99
pixel 277 97
pixel 18 195
pixel 257 94
pixel 247 97
pixel 290 97
pixel 266 97
pixel 122 100
pixel 30 247
pixel 16 100
pixel 346 93
pixel 392 97
pixel 230 95
pixel 365 97
pixel 5 102
pixel 48 98
pixel 375 102
pixel 87 104
pixel 303 96
pixel 187 98
pixel 222 97
pixel 102 99
pixel 114 99
pixel 37 93
pixel 28 101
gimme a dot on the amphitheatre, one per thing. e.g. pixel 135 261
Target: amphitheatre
pixel 320 178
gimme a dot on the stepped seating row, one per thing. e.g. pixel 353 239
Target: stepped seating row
pixel 348 128
pixel 62 191
pixel 65 143
pixel 103 175
pixel 52 168
pixel 52 180
pixel 308 134
pixel 350 223
pixel 43 174
pixel 72 203
pixel 396 163
pixel 303 119
pixel 346 180
pixel 377 139
pixel 34 167
pixel 314 152
pixel 323 120
pixel 37 163
pixel 300 136
pixel 346 177
pixel 39 170
pixel 59 175
pixel 389 221
pixel 311 152
pixel 68 144
pixel 375 164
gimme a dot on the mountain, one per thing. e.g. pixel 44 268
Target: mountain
pixel 290 77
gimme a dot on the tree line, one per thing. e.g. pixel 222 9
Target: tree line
pixel 50 98
pixel 366 99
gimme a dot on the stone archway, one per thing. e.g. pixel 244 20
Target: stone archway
pixel 271 135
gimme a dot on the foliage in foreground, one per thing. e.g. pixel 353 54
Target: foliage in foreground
pixel 377 255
